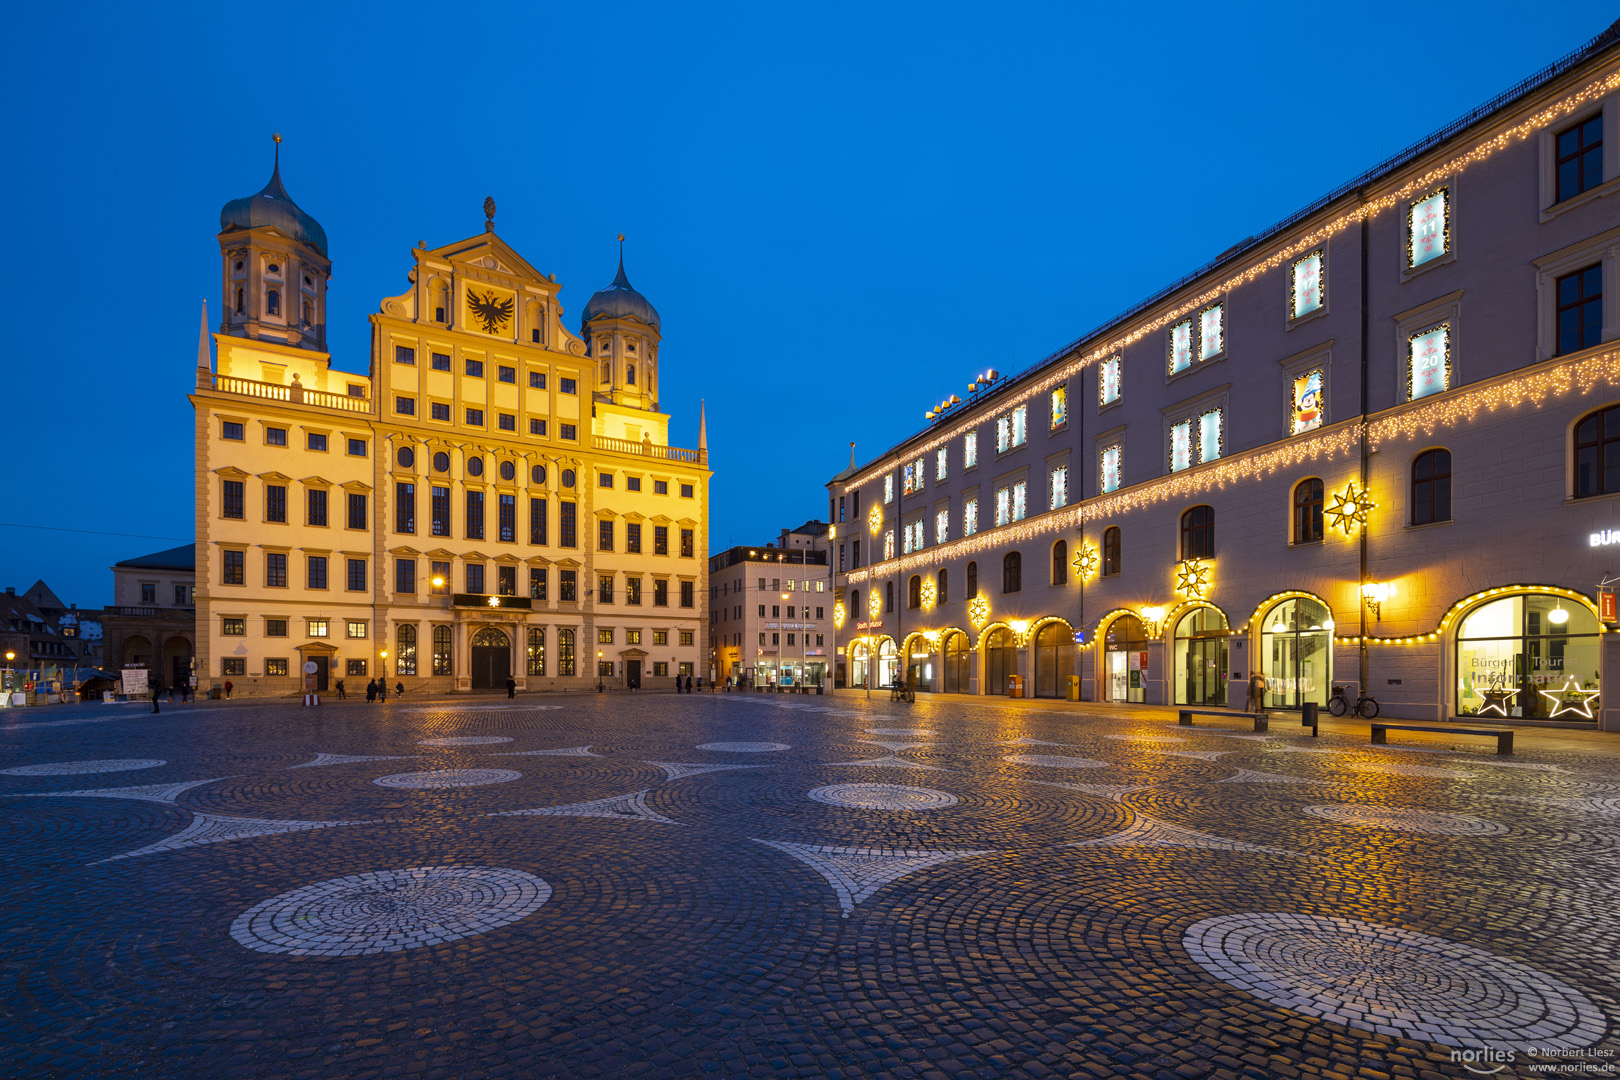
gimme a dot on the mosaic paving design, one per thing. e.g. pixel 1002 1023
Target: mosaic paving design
pixel 890 761
pixel 464 740
pixel 1393 981
pixel 390 910
pixel 447 778
pixel 745 747
pixel 883 797
pixel 83 768
pixel 857 873
pixel 347 759
pixel 1055 761
pixel 1401 769
pixel 1431 822
pixel 213 829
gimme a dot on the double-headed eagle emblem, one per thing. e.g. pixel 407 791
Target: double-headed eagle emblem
pixel 489 309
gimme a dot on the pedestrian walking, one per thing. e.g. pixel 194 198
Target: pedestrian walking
pixel 157 688
pixel 227 688
pixel 700 684
pixel 371 691
pixel 382 690
pixel 342 696
pixel 511 688
pixel 171 695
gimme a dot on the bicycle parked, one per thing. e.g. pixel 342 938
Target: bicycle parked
pixel 1365 706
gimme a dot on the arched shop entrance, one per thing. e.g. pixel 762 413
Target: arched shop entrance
pixel 1054 660
pixel 1000 660
pixel 859 660
pixel 1125 660
pixel 888 662
pixel 1200 646
pixel 1296 653
pixel 1532 657
pixel 957 659
pixel 491 659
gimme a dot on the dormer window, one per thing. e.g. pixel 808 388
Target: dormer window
pixel 272 302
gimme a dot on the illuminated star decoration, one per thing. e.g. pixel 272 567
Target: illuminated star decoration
pixel 1349 508
pixel 1497 697
pixel 1571 699
pixel 874 604
pixel 494 601
pixel 979 610
pixel 1192 578
pixel 927 594
pixel 1085 563
pixel 839 615
pixel 874 520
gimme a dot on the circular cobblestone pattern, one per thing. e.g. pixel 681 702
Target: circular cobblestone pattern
pixel 1393 981
pixel 390 910
pixel 464 740
pixel 1432 822
pixel 883 797
pixel 1055 761
pixel 447 778
pixel 80 768
pixel 745 747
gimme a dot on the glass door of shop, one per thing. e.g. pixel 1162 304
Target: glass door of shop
pixel 1201 658
pixel 1296 649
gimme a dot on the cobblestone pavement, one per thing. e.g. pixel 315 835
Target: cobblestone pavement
pixel 747 885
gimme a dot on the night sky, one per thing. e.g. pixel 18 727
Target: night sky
pixel 842 212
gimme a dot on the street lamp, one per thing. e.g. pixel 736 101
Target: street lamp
pixel 10 656
pixel 599 687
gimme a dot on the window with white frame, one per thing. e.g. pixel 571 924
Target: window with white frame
pixel 1211 435
pixel 913 476
pixel 970 449
pixel 1428 362
pixel 1307 401
pixel 1428 228
pixel 970 516
pixel 942 526
pixel 888 489
pixel 1058 488
pixel 1181 346
pixel 1019 502
pixel 1211 331
pixel 1181 446
pixel 939 464
pixel 888 544
pixel 1306 289
pixel 1108 381
pixel 911 538
pixel 1020 427
pixel 1110 462
pixel 1003 433
pixel 1003 506
pixel 1060 407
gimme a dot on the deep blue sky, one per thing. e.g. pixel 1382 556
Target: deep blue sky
pixel 842 212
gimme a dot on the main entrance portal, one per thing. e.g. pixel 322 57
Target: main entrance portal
pixel 491 659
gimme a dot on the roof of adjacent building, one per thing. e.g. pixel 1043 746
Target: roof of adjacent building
pixel 183 557
pixel 273 207
pixel 620 301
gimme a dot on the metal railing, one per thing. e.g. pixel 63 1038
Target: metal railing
pixel 648 449
pixel 293 394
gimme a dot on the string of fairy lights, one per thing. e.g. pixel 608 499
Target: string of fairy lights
pixel 1353 217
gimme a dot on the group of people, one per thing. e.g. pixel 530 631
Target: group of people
pixel 376 690
pixel 683 684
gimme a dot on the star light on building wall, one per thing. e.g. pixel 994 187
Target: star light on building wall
pixel 494 601
pixel 979 610
pixel 839 615
pixel 874 604
pixel 1192 579
pixel 1349 508
pixel 927 592
pixel 874 520
pixel 1086 562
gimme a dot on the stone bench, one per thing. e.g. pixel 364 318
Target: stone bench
pixel 1504 739
pixel 1185 719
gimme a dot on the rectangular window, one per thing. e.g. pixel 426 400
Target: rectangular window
pixel 441 361
pixel 440 581
pixel 604 588
pixel 939 465
pixel 315 503
pixel 357 575
pixel 970 518
pixel 507 516
pixel 906 535
pixel 149 593
pixel 1211 433
pixel 1428 369
pixel 357 448
pixel 356 630
pixel 507 422
pixel 537 583
pixel 660 637
pixel 1060 407
pixel 537 427
pixel 317 627
pixel 275 502
pixel 660 593
pixel 912 476
pixel 632 637
pixel 475 417
pixel 604 636
pixel 604 480
pixel 275 569
pixel 1058 494
pixel 942 526
pixel 1307 402
pixel 566 525
pixel 475 368
pixel 506 580
pixel 404 508
pixel 355 667
pixel 1181 346
pixel 275 665
pixel 441 411
pixel 506 374
pixel 567 386
pixel 660 539
pixel 537 521
pixel 1003 433
pixel 1306 293
pixel 661 667
pixel 405 406
pixel 632 483
pixel 888 489
pixel 1111 460
pixel 475 515
pixel 473 573
pixel 316 441
pixel 233 499
pixel 687 599
pixel 687 638
pixel 568 432
pixel 1108 380
pixel 1181 446
pixel 1019 502
pixel 404 354
pixel 405 576
pixel 233 627
pixel 1580 309
pixel 632 590
pixel 1211 332
pixel 1020 425
pixel 275 628
pixel 537 379
pixel 275 436
pixel 660 487
pixel 688 491
pixel 604 535
pixel 1579 158
pixel 970 450
pixel 1428 227
pixel 179 596
pixel 568 585
pixel 1003 506
pixel 687 540
pixel 357 510
pixel 230 429
pixel 315 572
pixel 233 665
pixel 441 511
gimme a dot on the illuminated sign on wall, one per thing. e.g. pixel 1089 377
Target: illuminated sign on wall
pixel 1429 362
pixel 1060 407
pixel 1429 225
pixel 1605 538
pixel 1307 407
pixel 1181 354
pixel 1307 293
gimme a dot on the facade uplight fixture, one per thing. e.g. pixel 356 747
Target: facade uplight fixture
pixel 1154 618
pixel 1374 593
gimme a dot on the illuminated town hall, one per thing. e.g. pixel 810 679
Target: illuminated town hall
pixel 497 498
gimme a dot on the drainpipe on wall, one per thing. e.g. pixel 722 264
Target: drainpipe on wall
pixel 1361 605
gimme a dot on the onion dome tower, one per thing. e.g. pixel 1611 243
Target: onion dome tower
pixel 620 328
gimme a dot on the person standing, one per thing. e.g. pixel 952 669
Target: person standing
pixel 382 690
pixel 399 689
pixel 511 688
pixel 341 695
pixel 227 689
pixel 371 691
pixel 157 688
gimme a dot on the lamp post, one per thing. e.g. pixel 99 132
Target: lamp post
pixel 10 656
pixel 829 666
pixel 600 688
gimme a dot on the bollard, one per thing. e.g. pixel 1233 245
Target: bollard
pixel 1308 718
pixel 1185 718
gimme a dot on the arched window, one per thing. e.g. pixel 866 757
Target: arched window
pixel 972 580
pixel 914 592
pixel 607 371
pixel 888 596
pixel 537 650
pixel 565 652
pixel 855 609
pixel 1308 511
pixel 309 313
pixel 405 650
pixel 940 595
pixel 1431 485
pixel 272 302
pixel 1060 563
pixel 1110 551
pixel 1198 533
pixel 441 651
pixel 1012 572
pixel 241 300
pixel 630 374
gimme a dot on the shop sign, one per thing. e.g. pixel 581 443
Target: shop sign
pixel 1604 538
pixel 1607 606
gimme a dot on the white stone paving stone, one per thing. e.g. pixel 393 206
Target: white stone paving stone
pixel 857 873
pixel 1400 819
pixel 632 807
pixel 1201 755
pixel 1026 741
pixel 158 793
pixel 447 778
pixel 674 770
pixel 84 768
pixel 895 746
pixel 1567 802
pixel 567 751
pixel 890 762
pixel 883 797
pixel 214 829
pixel 1250 776
pixel 390 910
pixel 745 747
pixel 464 740
pixel 1402 769
pixel 1151 832
pixel 348 759
pixel 899 731
pixel 1055 761
pixel 1142 738
pixel 1113 792
pixel 1393 982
